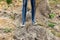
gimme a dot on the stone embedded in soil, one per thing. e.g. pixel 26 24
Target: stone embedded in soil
pixel 57 27
pixel 58 5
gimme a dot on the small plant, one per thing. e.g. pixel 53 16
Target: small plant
pixel 7 30
pixel 51 15
pixel 51 25
pixel 9 1
pixel 12 16
pixel 0 0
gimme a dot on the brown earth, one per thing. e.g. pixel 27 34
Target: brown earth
pixel 10 17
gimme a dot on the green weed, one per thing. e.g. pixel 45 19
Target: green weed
pixel 7 30
pixel 9 1
pixel 51 25
pixel 51 15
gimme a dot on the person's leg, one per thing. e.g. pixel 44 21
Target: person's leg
pixel 24 10
pixel 33 10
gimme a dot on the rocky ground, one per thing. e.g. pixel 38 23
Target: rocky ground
pixel 10 20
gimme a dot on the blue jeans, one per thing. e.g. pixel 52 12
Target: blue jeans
pixel 24 10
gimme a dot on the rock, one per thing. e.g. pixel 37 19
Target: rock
pixel 35 33
pixel 43 8
pixel 58 5
pixel 57 27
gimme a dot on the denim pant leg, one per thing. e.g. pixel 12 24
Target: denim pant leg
pixel 33 10
pixel 24 10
